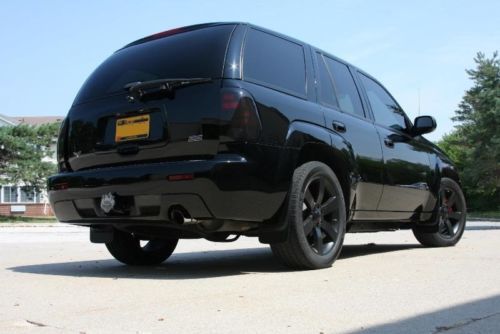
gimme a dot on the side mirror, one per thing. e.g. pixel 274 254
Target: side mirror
pixel 423 124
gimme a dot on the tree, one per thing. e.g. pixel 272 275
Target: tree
pixel 475 143
pixel 453 144
pixel 22 152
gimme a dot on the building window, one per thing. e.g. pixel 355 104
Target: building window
pixel 27 195
pixel 23 194
pixel 10 194
pixel 38 197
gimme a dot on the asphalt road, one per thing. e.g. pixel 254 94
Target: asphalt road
pixel 53 280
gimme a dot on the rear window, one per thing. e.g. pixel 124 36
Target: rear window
pixel 190 54
pixel 275 62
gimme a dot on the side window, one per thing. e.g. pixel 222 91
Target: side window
pixel 274 61
pixel 326 90
pixel 385 109
pixel 347 93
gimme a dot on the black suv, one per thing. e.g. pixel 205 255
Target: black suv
pixel 226 129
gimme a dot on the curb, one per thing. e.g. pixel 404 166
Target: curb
pixel 490 220
pixel 34 225
pixel 4 225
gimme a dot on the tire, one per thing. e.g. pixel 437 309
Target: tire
pixel 127 249
pixel 316 217
pixel 451 217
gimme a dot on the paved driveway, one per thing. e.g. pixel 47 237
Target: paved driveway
pixel 52 280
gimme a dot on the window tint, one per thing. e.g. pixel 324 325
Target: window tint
pixel 385 109
pixel 326 90
pixel 347 93
pixel 191 54
pixel 274 61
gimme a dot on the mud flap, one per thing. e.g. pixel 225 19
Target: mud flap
pixel 101 234
pixel 430 225
pixel 275 230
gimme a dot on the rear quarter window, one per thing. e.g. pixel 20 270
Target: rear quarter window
pixel 274 62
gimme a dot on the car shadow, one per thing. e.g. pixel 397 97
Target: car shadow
pixel 349 251
pixel 195 265
pixel 478 316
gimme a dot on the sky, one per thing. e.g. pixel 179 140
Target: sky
pixel 419 50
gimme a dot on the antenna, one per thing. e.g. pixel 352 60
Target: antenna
pixel 419 102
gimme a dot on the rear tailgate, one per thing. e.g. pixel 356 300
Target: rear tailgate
pixel 106 128
pixel 183 127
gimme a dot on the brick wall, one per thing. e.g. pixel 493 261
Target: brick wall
pixel 32 210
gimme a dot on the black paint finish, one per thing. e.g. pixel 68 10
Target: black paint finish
pixel 225 150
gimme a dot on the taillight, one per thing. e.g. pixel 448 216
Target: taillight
pixel 240 113
pixel 181 177
pixel 62 141
pixel 59 186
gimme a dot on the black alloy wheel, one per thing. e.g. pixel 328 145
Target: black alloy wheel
pixel 320 215
pixel 316 217
pixel 451 211
pixel 451 217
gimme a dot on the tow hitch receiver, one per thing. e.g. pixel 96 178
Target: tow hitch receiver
pixel 107 202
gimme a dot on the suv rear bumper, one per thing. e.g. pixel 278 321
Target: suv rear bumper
pixel 227 187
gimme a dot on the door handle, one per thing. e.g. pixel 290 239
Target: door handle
pixel 388 142
pixel 339 126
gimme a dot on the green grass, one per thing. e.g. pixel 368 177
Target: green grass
pixel 484 214
pixel 18 219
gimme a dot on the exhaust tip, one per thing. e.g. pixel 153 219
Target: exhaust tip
pixel 177 215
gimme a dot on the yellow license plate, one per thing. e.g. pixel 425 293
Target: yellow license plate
pixel 132 128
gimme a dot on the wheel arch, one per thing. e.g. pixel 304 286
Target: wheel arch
pixel 315 143
pixel 309 142
pixel 333 159
pixel 448 169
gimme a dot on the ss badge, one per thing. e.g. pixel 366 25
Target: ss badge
pixel 107 202
pixel 195 138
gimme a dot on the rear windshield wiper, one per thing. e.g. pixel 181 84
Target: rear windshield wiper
pixel 159 88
